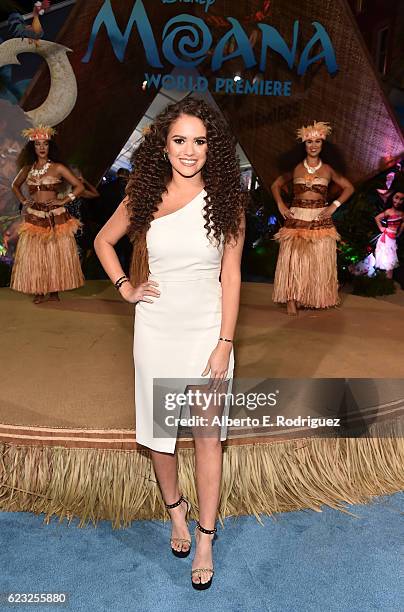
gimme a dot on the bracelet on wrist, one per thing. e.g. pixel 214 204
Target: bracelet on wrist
pixel 71 196
pixel 225 339
pixel 125 280
pixel 120 281
pixel 337 203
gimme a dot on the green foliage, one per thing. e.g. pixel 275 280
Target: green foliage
pixel 262 260
pixel 92 268
pixel 5 274
pixel 356 225
pixel 372 286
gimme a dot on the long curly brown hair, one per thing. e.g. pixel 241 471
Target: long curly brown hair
pixel 224 203
pixel 28 156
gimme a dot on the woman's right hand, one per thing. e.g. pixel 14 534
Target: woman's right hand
pixel 284 210
pixel 137 294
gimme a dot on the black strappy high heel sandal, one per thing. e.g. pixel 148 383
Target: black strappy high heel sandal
pixel 201 586
pixel 180 553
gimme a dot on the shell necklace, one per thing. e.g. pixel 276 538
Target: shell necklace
pixel 36 173
pixel 311 173
pixel 312 169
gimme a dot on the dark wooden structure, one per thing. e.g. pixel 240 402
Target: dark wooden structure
pixel 111 101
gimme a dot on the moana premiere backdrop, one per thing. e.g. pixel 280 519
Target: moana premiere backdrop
pixel 268 65
pixel 93 69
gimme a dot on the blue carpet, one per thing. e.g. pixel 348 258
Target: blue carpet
pixel 298 561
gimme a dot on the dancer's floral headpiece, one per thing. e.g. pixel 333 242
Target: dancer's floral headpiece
pixel 319 129
pixel 40 132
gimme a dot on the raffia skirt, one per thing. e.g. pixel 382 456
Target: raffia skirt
pixel 306 269
pixel 46 257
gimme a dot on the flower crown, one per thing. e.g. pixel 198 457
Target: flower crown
pixel 319 129
pixel 40 132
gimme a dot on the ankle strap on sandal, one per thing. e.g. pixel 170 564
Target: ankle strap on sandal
pixel 208 531
pixel 175 504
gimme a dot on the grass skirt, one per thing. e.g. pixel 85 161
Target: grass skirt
pixel 47 259
pixel 306 270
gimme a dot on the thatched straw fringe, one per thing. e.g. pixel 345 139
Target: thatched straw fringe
pixel 120 486
pixel 46 263
pixel 306 271
pixel 286 233
pixel 70 227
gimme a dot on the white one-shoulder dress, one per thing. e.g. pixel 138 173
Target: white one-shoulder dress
pixel 175 335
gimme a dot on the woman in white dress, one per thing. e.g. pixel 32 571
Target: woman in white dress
pixel 184 211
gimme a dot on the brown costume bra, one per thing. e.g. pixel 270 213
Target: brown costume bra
pixel 302 186
pixel 318 185
pixel 44 183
